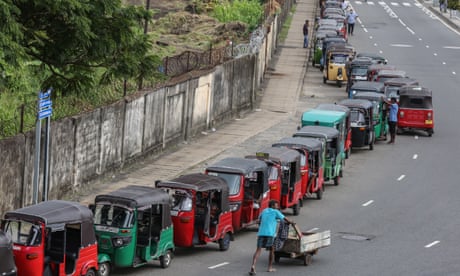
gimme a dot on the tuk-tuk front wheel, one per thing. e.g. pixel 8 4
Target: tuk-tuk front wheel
pixel 165 260
pixel 296 209
pixel 104 269
pixel 337 180
pixel 224 243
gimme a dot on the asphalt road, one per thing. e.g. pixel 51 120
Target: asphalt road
pixel 395 211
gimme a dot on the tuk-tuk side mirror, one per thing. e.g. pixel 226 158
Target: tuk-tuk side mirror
pixel 92 207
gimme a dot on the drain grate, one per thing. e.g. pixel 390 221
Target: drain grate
pixel 355 236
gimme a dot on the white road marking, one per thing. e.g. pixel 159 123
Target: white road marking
pixel 375 44
pixel 370 37
pixel 415 156
pixel 381 52
pixel 419 39
pixel 370 3
pixel 402 23
pixel 454 73
pixel 410 30
pixel 406 4
pixel 416 137
pixel 443 63
pixel 368 203
pixel 402 45
pixel 431 244
pixel 452 47
pixel 365 30
pixel 427 46
pixel 435 54
pixel 401 177
pixel 417 4
pixel 218 265
pixel 394 4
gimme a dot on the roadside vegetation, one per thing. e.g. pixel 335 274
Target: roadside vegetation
pixel 94 53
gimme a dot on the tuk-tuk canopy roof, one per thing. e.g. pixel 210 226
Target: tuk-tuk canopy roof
pixel 333 107
pixel 361 62
pixel 322 117
pixel 135 196
pixel 238 165
pixel 401 82
pixel 278 155
pixel 310 144
pixel 196 181
pixel 381 66
pixel 54 213
pixel 328 133
pixel 414 90
pixel 373 56
pixel 323 33
pixel 340 48
pixel 395 73
pixel 357 103
pixel 368 85
pixel 371 96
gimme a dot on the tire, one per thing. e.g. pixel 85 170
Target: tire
pixel 104 269
pixel 307 259
pixel 90 272
pixel 337 180
pixel 324 79
pixel 339 84
pixel 371 146
pixel 165 260
pixel 224 243
pixel 348 153
pixel 296 209
pixel 319 193
pixel 430 132
pixel 341 173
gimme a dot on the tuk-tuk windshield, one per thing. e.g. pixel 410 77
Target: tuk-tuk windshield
pixel 113 215
pixel 357 117
pixel 181 200
pixel 233 181
pixel 359 71
pixel 273 173
pixel 340 59
pixel 23 232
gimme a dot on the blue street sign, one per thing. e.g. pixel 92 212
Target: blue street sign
pixel 45 113
pixel 44 95
pixel 43 104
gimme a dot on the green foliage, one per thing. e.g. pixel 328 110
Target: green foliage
pixel 247 11
pixel 453 4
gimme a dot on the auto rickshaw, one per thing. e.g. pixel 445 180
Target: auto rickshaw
pixel 334 153
pixel 376 59
pixel 415 109
pixel 7 265
pixel 248 182
pixel 362 123
pixel 133 226
pixel 357 70
pixel 53 237
pixel 385 75
pixel 380 113
pixel 313 153
pixel 347 134
pixel 327 42
pixel 329 118
pixel 285 180
pixel 334 66
pixel 318 45
pixel 393 85
pixel 366 86
pixel 200 210
pixel 375 68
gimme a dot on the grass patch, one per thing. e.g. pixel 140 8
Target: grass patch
pixel 284 31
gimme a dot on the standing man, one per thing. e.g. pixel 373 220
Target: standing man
pixel 392 118
pixel 305 34
pixel 351 20
pixel 268 222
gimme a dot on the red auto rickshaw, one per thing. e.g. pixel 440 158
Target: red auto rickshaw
pixel 285 180
pixel 53 238
pixel 249 193
pixel 200 210
pixel 339 107
pixel 415 109
pixel 312 167
pixel 7 265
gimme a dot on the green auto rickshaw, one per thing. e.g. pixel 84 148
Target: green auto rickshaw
pixel 380 113
pixel 133 226
pixel 334 161
pixel 329 118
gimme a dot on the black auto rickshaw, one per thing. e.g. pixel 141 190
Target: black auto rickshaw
pixel 7 265
pixel 366 86
pixel 133 226
pixel 376 59
pixel 380 112
pixel 362 123
pixel 393 85
pixel 53 237
pixel 357 70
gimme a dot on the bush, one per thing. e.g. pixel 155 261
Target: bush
pixel 246 11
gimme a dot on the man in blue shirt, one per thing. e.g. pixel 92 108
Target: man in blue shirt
pixel 268 223
pixel 392 118
pixel 351 20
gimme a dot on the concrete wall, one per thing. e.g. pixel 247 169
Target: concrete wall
pixel 93 144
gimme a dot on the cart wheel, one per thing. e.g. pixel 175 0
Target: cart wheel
pixel 337 180
pixel 165 260
pixel 104 269
pixel 319 193
pixel 277 258
pixel 307 259
pixel 224 243
pixel 296 209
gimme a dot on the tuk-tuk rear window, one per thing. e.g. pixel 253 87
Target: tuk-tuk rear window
pixel 23 232
pixel 113 215
pixel 181 200
pixel 357 117
pixel 417 102
pixel 233 181
pixel 360 71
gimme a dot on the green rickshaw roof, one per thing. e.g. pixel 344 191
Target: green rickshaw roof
pixel 322 117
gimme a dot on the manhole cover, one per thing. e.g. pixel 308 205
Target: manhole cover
pixel 355 236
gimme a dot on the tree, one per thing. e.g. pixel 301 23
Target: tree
pixel 78 44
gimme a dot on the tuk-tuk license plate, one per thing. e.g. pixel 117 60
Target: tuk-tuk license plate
pixel 428 122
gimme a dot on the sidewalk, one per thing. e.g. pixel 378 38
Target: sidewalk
pixel 283 84
pixel 450 17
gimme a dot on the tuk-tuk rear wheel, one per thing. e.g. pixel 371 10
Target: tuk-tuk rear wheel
pixel 90 272
pixel 224 243
pixel 337 180
pixel 104 269
pixel 165 260
pixel 296 209
pixel 319 193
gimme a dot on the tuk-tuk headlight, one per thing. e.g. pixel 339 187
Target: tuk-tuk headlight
pixel 401 114
pixel 234 206
pixel 121 241
pixel 429 115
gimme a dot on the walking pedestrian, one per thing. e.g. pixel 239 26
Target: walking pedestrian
pixel 305 34
pixel 351 20
pixel 392 118
pixel 268 222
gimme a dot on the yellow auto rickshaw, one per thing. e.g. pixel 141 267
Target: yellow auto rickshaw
pixel 336 58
